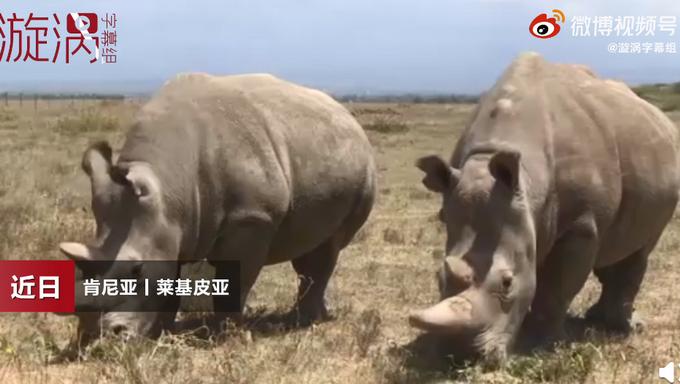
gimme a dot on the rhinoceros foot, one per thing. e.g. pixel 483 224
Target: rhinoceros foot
pixel 304 316
pixel 614 321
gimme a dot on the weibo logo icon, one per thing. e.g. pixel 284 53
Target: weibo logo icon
pixel 544 27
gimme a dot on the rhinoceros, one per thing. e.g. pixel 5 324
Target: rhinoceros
pixel 558 173
pixel 247 167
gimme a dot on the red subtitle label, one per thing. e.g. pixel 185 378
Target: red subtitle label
pixel 37 286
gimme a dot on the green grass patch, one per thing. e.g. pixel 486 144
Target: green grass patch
pixel 567 364
pixel 664 96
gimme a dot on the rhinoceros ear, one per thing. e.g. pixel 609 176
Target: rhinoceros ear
pixel 78 251
pixel 96 163
pixel 144 183
pixel 97 158
pixel 439 176
pixel 504 167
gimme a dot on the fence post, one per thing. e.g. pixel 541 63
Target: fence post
pixel 21 99
pixel 35 102
pixel 6 99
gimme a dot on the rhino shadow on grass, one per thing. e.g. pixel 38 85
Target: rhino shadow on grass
pixel 430 357
pixel 259 322
pixel 208 327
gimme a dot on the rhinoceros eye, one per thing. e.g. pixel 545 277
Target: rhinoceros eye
pixel 440 215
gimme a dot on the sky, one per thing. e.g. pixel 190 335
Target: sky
pixel 341 46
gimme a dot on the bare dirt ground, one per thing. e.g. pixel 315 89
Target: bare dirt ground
pixel 387 271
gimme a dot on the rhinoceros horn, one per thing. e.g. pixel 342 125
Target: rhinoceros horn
pixel 453 315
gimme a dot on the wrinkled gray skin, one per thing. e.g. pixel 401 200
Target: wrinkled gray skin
pixel 249 168
pixel 558 174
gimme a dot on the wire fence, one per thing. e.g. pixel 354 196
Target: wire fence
pixel 39 101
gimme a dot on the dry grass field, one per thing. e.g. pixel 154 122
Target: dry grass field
pixel 387 271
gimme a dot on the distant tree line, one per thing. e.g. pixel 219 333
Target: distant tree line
pixel 60 96
pixel 408 98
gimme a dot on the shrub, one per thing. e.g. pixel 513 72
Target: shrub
pixel 7 115
pixel 87 121
pixel 386 125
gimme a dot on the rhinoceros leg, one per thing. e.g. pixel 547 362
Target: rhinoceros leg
pixel 620 285
pixel 314 270
pixel 559 279
pixel 246 240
